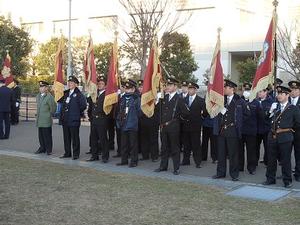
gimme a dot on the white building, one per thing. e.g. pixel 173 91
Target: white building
pixel 244 24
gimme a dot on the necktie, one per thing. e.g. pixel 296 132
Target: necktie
pixel 282 108
pixel 170 97
pixel 190 101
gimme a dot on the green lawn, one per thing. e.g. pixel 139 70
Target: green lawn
pixel 37 193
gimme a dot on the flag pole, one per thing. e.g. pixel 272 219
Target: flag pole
pixel 69 70
pixel 275 4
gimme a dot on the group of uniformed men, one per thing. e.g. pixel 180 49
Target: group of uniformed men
pixel 273 119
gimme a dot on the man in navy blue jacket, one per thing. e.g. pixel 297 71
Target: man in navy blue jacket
pixel 6 99
pixel 128 122
pixel 73 106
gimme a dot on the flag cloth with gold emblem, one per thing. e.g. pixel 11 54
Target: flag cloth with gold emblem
pixel 111 91
pixel 151 81
pixel 90 72
pixel 58 85
pixel 215 88
pixel 265 67
pixel 6 72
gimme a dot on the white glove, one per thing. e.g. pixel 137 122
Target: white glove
pixel 224 110
pixel 17 104
pixel 273 107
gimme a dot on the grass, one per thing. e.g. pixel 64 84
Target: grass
pixel 34 192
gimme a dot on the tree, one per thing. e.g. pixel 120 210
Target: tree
pixel 288 50
pixel 177 57
pixel 247 70
pixel 147 18
pixel 18 43
pixel 102 56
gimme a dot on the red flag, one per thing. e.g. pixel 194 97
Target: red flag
pixel 111 91
pixel 151 81
pixel 6 72
pixel 265 67
pixel 90 72
pixel 215 89
pixel 58 85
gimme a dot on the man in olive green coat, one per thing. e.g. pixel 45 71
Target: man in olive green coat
pixel 46 106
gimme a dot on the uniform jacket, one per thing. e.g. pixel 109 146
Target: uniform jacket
pixel 264 120
pixel 172 112
pixel 95 110
pixel 236 110
pixel 6 99
pixel 46 107
pixel 72 111
pixel 129 112
pixel 250 120
pixel 289 118
pixel 193 122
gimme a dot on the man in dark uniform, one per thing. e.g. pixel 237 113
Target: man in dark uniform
pixel 263 124
pixel 285 118
pixel 15 107
pixel 249 132
pixel 192 126
pixel 184 93
pixel 99 123
pixel 208 137
pixel 127 121
pixel 148 132
pixel 172 110
pixel 6 99
pixel 227 125
pixel 273 93
pixel 73 106
pixel 295 100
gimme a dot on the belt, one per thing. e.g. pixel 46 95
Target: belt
pixel 166 123
pixel 224 127
pixel 281 130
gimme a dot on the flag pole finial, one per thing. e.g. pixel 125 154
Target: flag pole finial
pixel 219 30
pixel 275 3
pixel 116 33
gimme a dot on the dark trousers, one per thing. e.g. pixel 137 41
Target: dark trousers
pixel 149 141
pixel 4 119
pixel 285 150
pixel 170 146
pixel 45 139
pixel 129 146
pixel 207 136
pixel 99 141
pixel 71 136
pixel 228 146
pixel 192 143
pixel 296 145
pixel 248 142
pixel 118 132
pixel 111 134
pixel 262 138
pixel 14 117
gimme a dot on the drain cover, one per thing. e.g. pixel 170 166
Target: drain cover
pixel 260 193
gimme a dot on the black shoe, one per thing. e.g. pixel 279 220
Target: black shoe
pixel 241 170
pixel 39 152
pixel 217 177
pixel 279 177
pixel 252 172
pixel 198 166
pixel 235 179
pixel 268 182
pixel 132 165
pixel 105 160
pixel 176 172
pixel 75 157
pixel 116 156
pixel 143 159
pixel 214 161
pixel 159 170
pixel 88 153
pixel 92 159
pixel 287 184
pixel 154 160
pixel 297 179
pixel 185 164
pixel 49 153
pixel 122 164
pixel 65 156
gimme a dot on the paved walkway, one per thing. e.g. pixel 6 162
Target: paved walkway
pixel 24 142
